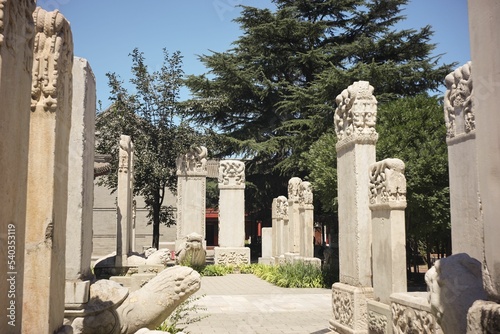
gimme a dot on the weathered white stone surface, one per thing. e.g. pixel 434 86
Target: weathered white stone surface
pixel 112 309
pixel 454 284
pixel 16 62
pixel 81 174
pixel 355 120
pixel 485 53
pixel 124 201
pixel 267 245
pixel 349 306
pixel 191 193
pixel 294 228
pixel 306 213
pixel 283 233
pixel 231 203
pixel 411 313
pixel 388 201
pixel 459 114
pixel 191 251
pixel 379 317
pixel 44 281
pixel 483 318
pixel 232 255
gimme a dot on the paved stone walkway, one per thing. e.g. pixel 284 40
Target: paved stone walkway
pixel 245 304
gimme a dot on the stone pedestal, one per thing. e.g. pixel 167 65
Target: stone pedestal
pixel 231 214
pixel 484 318
pixel 16 62
pixel 387 202
pixel 411 313
pixel 191 194
pixel 355 119
pixel 350 308
pixel 485 53
pixel 466 219
pixel 46 211
pixel 379 318
pixel 124 202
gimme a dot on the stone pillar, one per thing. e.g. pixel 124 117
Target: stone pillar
pixel 306 210
pixel 191 194
pixel 124 202
pixel 231 248
pixel 485 52
pixel 355 119
pixel 47 200
pixel 387 202
pixel 16 62
pixel 283 226
pixel 466 219
pixel 294 229
pixel 267 245
pixel 275 228
pixel 80 186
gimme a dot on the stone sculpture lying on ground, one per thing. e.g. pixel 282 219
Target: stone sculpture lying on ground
pixel 112 310
pixel 191 251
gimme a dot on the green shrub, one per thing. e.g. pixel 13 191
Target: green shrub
pixel 291 275
pixel 216 270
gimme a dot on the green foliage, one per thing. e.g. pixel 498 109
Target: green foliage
pixel 290 275
pixel 182 316
pixel 216 270
pixel 150 116
pixel 272 96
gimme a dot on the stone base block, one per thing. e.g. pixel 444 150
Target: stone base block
pixel 150 269
pixel 138 280
pixel 232 255
pixel 291 257
pixel 483 318
pixel 350 309
pixel 267 260
pixel 125 281
pixel 412 310
pixel 76 293
pixel 379 318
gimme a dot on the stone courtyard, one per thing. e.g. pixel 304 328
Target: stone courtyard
pixel 52 252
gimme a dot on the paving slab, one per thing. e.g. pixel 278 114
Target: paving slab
pixel 246 304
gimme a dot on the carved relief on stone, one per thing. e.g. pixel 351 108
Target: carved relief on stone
pixel 387 182
pixel 483 317
pixel 194 161
pixel 356 114
pixel 124 154
pixel 377 323
pixel 458 101
pixel 306 194
pixel 231 173
pixel 282 207
pixel 53 59
pixel 343 308
pixel 294 189
pixel 233 257
pixel 406 320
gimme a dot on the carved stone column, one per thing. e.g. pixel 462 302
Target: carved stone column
pixel 16 62
pixel 459 114
pixel 267 246
pixel 355 119
pixel 387 203
pixel 294 229
pixel 191 194
pixel 306 212
pixel 80 186
pixel 124 205
pixel 50 123
pixel 283 227
pixel 232 248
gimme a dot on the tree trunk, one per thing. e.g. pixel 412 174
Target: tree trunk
pixel 156 220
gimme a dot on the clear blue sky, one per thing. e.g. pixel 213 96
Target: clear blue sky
pixel 106 31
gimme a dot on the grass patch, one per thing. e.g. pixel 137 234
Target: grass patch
pixel 183 315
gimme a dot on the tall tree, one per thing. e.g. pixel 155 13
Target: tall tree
pixel 150 117
pixel 272 95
